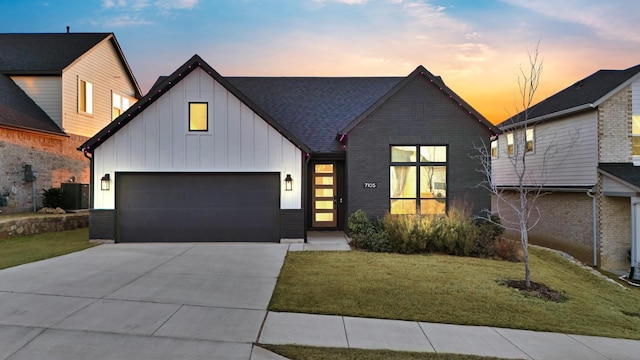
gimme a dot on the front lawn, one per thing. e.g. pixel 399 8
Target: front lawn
pixel 296 352
pixel 455 290
pixel 26 249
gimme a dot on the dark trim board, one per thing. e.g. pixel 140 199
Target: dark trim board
pixel 197 207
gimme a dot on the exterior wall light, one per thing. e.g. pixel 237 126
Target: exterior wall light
pixel 288 183
pixel 105 182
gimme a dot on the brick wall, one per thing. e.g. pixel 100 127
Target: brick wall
pixel 614 128
pixel 55 158
pixel 614 228
pixel 566 223
pixel 419 113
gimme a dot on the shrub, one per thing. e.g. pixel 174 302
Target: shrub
pixel 456 232
pixel 509 250
pixel 358 223
pixel 488 233
pixel 53 198
pixel 366 235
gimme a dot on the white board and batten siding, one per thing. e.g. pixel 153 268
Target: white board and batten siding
pixel 102 67
pixel 46 92
pixel 158 140
pixel 570 165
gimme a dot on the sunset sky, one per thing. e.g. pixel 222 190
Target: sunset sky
pixel 477 46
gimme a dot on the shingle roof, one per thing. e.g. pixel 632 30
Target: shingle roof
pixel 22 54
pixel 18 110
pixel 315 109
pixel 626 172
pixel 584 94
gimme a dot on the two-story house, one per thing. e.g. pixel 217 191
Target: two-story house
pixel 582 149
pixel 56 91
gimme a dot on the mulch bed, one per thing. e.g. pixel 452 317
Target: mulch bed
pixel 538 290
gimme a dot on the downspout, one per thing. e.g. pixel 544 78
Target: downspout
pixel 634 230
pixel 595 227
pixel 91 195
pixel 305 194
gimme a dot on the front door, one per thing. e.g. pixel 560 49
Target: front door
pixel 324 209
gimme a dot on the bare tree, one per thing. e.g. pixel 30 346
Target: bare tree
pixel 519 199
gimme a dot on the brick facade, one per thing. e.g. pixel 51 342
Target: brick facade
pixel 418 114
pixel 614 227
pixel 614 128
pixel 55 158
pixel 566 223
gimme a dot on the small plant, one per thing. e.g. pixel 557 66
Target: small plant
pixel 53 197
pixel 366 235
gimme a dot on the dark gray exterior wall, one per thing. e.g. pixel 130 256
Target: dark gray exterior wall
pixel 419 113
pixel 102 224
pixel 292 224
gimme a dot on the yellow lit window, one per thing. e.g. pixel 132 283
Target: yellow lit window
pixel 198 118
pixel 85 97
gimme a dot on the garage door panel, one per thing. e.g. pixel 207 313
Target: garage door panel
pixel 198 207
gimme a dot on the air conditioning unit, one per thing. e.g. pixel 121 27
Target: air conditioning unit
pixel 76 196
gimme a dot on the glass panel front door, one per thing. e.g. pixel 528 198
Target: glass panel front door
pixel 324 210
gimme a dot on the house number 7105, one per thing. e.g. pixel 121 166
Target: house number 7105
pixel 370 185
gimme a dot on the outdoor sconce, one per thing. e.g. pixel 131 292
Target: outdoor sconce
pixel 105 182
pixel 288 183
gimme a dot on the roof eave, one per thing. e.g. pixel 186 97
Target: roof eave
pixel 551 116
pixel 34 130
pixel 616 89
pixel 624 182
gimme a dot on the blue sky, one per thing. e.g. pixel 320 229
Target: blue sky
pixel 476 46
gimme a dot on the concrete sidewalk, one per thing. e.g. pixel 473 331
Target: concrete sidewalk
pixel 365 333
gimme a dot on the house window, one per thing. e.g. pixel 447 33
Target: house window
pixel 120 104
pixel 529 137
pixel 510 148
pixel 198 116
pixel 85 97
pixel 636 134
pixel 418 179
pixel 494 149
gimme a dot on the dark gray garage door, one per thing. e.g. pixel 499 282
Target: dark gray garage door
pixel 173 207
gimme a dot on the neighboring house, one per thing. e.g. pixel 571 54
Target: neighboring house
pixel 56 91
pixel 593 129
pixel 202 157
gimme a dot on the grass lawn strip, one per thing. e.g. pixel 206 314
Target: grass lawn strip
pixel 455 290
pixel 22 250
pixel 296 352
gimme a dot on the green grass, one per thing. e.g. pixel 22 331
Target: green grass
pixel 22 250
pixel 296 352
pixel 455 290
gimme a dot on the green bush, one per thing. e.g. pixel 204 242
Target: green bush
pixel 53 198
pixel 454 233
pixel 488 234
pixel 366 235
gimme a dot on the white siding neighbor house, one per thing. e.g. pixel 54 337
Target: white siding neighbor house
pixel 56 91
pixel 583 150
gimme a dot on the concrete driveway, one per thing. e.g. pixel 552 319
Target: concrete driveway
pixel 140 301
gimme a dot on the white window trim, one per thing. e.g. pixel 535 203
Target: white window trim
pixel 88 97
pixel 510 143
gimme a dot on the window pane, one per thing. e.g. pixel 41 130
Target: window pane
pixel 433 181
pixel 198 117
pixel 494 149
pixel 116 113
pixel 636 145
pixel 324 180
pixel 324 216
pixel 403 154
pixel 324 168
pixel 530 139
pixel 324 192
pixel 89 98
pixel 403 181
pixel 327 205
pixel 433 207
pixel 433 154
pixel 403 207
pixel 125 104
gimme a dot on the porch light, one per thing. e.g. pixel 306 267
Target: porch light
pixel 105 182
pixel 288 183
